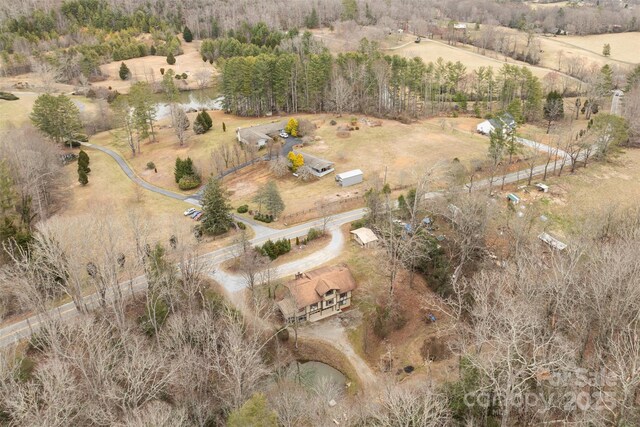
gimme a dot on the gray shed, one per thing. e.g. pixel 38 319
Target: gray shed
pixel 346 179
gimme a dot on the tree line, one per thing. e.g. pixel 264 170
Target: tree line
pixel 370 82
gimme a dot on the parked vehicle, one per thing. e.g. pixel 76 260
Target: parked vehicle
pixel 283 134
pixel 189 211
pixel 193 215
pixel 198 216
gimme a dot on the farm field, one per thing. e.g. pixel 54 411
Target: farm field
pixel 621 44
pixel 431 50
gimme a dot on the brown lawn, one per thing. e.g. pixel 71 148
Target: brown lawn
pixel 148 69
pixel 403 151
pixel 111 195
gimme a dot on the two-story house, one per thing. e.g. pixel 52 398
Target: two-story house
pixel 317 294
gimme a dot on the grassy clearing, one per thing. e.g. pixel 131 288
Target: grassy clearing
pixel 16 113
pixel 111 195
pixel 401 151
pixel 163 153
pixel 575 198
pixel 147 69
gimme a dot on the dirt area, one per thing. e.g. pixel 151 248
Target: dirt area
pixel 147 69
pixel 405 346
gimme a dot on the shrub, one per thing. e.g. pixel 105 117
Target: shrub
pixel 333 123
pixel 184 76
pixel 8 96
pixel 274 249
pixel 313 234
pixel 243 209
pixel 186 33
pixel 263 217
pixel 198 127
pixel 387 319
pixel 178 77
pixel 171 59
pixel 241 225
pixel 283 335
pixel 124 72
pixel 189 182
pixel 358 224
pixel 162 71
pixel 151 165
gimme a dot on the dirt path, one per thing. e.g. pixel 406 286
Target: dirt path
pixel 332 331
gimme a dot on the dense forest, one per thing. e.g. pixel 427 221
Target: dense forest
pixel 85 33
pixel 370 82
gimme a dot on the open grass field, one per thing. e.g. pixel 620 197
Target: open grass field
pixel 404 151
pixel 148 69
pixel 16 113
pixel 624 46
pixel 578 197
pixel 111 195
pixel 163 153
pixel 431 50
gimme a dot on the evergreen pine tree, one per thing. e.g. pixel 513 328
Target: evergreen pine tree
pixel 83 161
pixel 215 206
pixel 83 179
pixel 208 122
pixel 199 125
pixel 186 33
pixel 124 71
pixel 171 59
pixel 178 171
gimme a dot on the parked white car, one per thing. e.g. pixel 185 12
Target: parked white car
pixel 283 134
pixel 189 211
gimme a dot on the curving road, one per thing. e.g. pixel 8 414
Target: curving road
pixel 12 333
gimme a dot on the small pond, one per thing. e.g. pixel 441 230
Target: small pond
pixel 194 101
pixel 312 373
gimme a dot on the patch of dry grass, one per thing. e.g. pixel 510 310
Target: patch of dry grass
pixel 401 151
pixel 147 69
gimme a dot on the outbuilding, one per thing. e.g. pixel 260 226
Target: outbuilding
pixel 513 198
pixel 364 237
pixel 542 187
pixel 352 177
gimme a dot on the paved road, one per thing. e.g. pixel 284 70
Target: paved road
pixel 194 199
pixel 616 101
pixel 9 334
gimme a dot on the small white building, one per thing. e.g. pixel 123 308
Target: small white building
pixel 364 237
pixel 352 177
pixel 506 122
pixel 542 187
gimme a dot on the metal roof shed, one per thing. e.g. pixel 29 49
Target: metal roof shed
pixel 352 177
pixel 513 198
